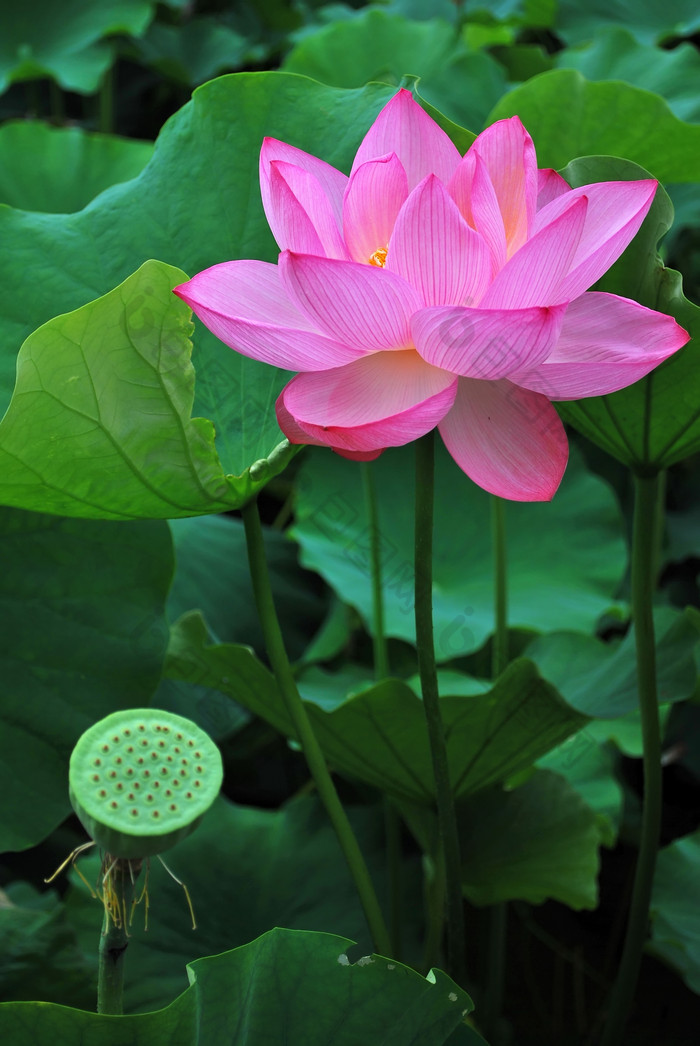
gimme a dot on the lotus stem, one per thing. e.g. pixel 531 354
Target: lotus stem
pixel 118 888
pixel 315 760
pixel 647 492
pixel 447 818
pixel 392 821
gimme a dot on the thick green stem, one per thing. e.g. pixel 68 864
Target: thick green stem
pixel 646 515
pixel 447 818
pixel 498 913
pixel 119 887
pixel 314 756
pixel 392 821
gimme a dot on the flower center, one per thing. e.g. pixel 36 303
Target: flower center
pixel 379 257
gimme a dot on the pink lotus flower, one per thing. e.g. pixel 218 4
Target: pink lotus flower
pixel 432 289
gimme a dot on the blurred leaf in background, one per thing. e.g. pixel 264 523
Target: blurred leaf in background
pixel 59 170
pixel 66 41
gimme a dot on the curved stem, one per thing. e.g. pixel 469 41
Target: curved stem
pixel 647 490
pixel 312 751
pixel 118 893
pixel 447 819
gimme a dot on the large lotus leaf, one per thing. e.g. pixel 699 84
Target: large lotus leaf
pixel 99 423
pixel 599 679
pixel 41 38
pixel 675 906
pixel 686 207
pixel 263 868
pixel 565 558
pixel 288 986
pixel 40 956
pixel 379 46
pixel 372 46
pixel 532 843
pixel 568 116
pixel 331 689
pixel 194 51
pixel 589 762
pixel 378 735
pixel 220 717
pixel 589 767
pixel 196 203
pixel 656 421
pixel 536 842
pixel 615 54
pixel 522 61
pixel 83 634
pixel 649 20
pixel 60 169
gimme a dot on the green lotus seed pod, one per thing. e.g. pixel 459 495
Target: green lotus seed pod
pixel 142 779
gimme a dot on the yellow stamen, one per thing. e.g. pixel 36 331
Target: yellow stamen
pixel 110 886
pixel 71 859
pixel 379 257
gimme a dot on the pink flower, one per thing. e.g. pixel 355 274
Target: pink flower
pixel 432 289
